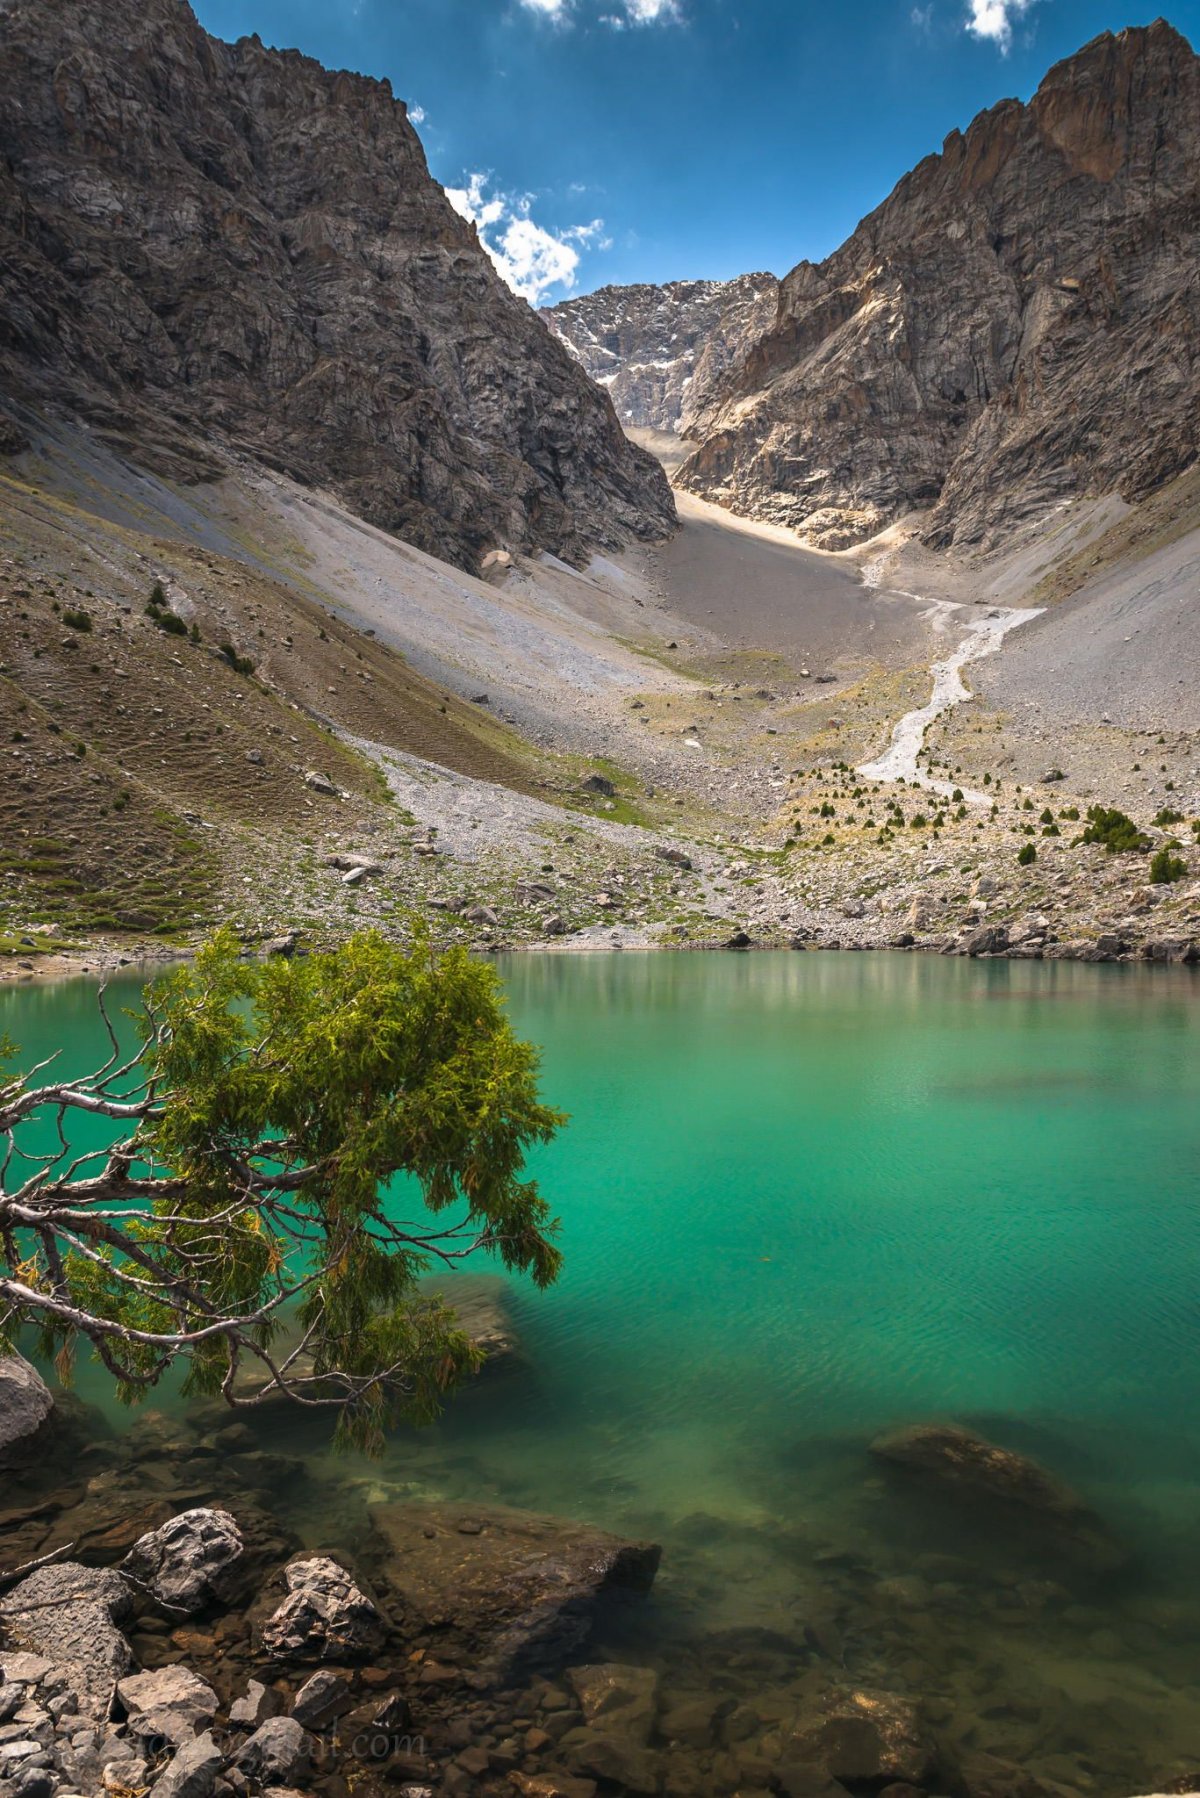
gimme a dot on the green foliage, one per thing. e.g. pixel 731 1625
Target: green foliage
pixel 1026 855
pixel 161 614
pixel 321 1132
pixel 1165 867
pixel 1111 827
pixel 1167 816
pixel 239 663
pixel 77 618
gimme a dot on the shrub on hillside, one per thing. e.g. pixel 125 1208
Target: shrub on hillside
pixel 1118 833
pixel 1166 867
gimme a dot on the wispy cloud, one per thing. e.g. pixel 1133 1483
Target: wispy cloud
pixel 628 12
pixel 921 19
pixel 416 113
pixel 993 20
pixel 652 12
pixel 532 260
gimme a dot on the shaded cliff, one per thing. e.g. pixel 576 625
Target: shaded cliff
pixel 207 247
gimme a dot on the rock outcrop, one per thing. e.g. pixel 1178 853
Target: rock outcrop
pixel 68 1614
pixel 662 351
pixel 209 249
pixel 1018 324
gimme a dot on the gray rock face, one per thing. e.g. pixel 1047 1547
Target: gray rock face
pixel 192 1773
pixel 325 1615
pixel 202 242
pixel 190 1562
pixel 167 1703
pixel 25 1404
pixel 320 1699
pixel 257 1703
pixel 67 1613
pixel 499 1591
pixel 279 1750
pixel 662 351
pixel 1017 324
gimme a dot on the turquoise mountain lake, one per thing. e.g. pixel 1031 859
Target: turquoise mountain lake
pixel 809 1197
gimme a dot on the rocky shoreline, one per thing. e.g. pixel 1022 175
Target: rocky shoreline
pixel 168 1631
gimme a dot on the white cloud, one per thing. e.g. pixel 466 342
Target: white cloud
pixel 532 260
pixel 993 20
pixel 921 19
pixel 417 114
pixel 649 12
pixel 632 12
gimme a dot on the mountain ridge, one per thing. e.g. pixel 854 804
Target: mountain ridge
pixel 210 247
pixel 661 350
pixel 984 345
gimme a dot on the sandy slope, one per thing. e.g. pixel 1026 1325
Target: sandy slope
pixel 687 674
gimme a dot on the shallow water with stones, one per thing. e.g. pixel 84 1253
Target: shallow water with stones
pixel 806 1198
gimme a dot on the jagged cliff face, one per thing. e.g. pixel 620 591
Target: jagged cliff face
pixel 662 351
pixel 1019 323
pixel 206 245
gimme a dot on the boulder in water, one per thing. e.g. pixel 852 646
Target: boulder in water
pixel 981 1473
pixel 497 1591
pixel 25 1405
pixel 191 1562
pixel 867 1738
pixel 325 1616
pixel 618 1699
pixel 480 1306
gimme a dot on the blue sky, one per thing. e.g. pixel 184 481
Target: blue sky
pixel 650 140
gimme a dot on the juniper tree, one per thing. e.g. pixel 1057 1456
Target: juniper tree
pixel 289 1147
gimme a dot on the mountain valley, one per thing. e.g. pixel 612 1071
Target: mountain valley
pixel 300 662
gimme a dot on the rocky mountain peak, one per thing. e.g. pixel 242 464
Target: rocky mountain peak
pixel 661 351
pixel 212 249
pixel 1017 324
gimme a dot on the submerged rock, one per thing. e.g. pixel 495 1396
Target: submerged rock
pixel 25 1405
pixel 480 1305
pixel 979 1472
pixel 621 1700
pixel 496 1591
pixel 863 1737
pixel 191 1561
